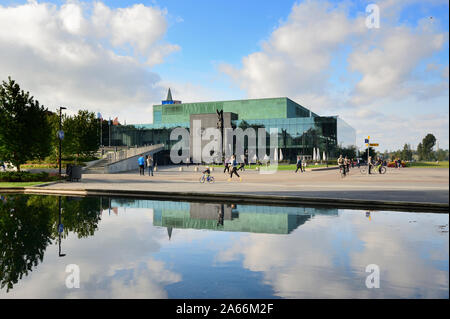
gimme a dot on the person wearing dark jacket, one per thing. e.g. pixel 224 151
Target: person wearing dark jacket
pixel 299 164
pixel 234 169
pixel 227 166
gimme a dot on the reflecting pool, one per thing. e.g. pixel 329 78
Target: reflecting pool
pixel 139 248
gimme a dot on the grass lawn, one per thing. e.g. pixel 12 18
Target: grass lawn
pixel 429 164
pixel 19 184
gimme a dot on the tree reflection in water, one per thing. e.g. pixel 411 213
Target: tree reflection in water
pixel 29 223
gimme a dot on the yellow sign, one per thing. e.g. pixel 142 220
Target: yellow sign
pixel 368 137
pixel 374 144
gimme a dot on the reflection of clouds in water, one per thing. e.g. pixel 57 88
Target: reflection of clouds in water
pixel 140 280
pixel 187 236
pixel 326 257
pixel 115 263
pixel 410 253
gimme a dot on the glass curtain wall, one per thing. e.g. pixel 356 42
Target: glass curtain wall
pixel 296 136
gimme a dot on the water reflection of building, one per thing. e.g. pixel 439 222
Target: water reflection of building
pixel 228 217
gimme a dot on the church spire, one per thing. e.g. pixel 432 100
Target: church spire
pixel 169 96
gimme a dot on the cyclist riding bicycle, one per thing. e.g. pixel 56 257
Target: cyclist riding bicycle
pixel 207 172
pixel 379 164
pixel 347 164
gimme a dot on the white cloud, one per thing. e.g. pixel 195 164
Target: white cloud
pixel 334 266
pixel 104 273
pixel 138 26
pixel 387 62
pixel 295 61
pixel 391 127
pixel 81 58
pixel 328 61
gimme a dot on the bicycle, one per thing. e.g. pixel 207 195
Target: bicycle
pixel 379 168
pixel 209 179
pixel 363 169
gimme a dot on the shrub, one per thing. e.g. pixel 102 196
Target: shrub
pixel 27 177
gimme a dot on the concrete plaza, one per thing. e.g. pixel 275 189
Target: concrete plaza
pixel 408 185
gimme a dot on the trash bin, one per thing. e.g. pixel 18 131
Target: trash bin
pixel 76 173
pixel 73 172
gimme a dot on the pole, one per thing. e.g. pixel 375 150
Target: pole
pixel 59 228
pixel 109 126
pixel 60 128
pixel 368 147
pixel 101 132
pixel 60 137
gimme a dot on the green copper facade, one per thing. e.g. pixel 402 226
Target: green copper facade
pixel 300 130
pixel 234 218
pixel 273 108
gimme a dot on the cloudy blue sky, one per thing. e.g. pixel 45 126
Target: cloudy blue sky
pixel 119 58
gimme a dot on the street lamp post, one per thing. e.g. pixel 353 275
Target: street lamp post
pixel 60 136
pixel 60 227
pixel 100 118
pixel 109 129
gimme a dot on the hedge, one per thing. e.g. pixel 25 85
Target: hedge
pixel 27 177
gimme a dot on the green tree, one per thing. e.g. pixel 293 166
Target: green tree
pixel 24 126
pixel 54 125
pixel 25 233
pixel 419 151
pixel 29 224
pixel 372 153
pixel 441 155
pixel 406 153
pixel 425 149
pixel 81 134
pixel 350 151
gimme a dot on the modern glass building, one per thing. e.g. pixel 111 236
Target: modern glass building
pixel 300 131
pixel 226 217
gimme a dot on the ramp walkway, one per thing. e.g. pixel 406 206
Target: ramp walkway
pixel 122 160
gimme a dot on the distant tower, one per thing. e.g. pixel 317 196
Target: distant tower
pixel 169 99
pixel 169 229
pixel 169 96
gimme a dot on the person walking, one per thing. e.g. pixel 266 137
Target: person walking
pixel 227 166
pixel 149 161
pixel 141 163
pixel 369 163
pixel 234 169
pixel 299 164
pixel 341 163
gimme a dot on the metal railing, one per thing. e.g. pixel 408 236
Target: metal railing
pixel 124 154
